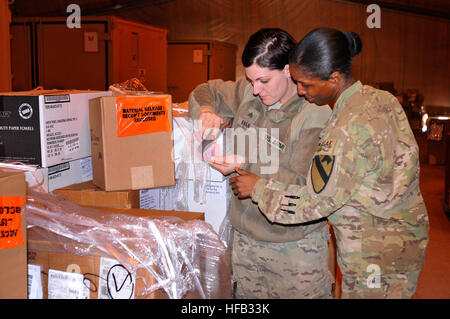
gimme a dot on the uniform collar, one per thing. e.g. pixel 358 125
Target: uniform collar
pixel 348 92
pixel 287 110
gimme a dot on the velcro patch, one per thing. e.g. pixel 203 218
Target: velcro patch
pixel 326 146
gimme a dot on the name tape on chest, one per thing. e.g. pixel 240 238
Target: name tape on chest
pixel 275 142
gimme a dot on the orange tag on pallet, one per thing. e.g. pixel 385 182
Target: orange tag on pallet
pixel 142 114
pixel 10 221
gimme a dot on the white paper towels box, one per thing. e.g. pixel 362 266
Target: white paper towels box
pixel 45 127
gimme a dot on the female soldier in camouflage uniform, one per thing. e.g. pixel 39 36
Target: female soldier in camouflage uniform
pixel 269 260
pixel 364 175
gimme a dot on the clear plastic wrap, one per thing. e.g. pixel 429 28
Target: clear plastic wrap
pixel 132 86
pixel 34 176
pixel 186 258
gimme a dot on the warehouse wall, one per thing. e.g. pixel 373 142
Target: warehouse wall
pixel 5 59
pixel 410 50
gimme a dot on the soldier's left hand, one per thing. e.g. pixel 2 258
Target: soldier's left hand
pixel 242 185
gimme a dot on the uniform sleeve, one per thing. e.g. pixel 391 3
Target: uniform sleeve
pixel 307 140
pixel 292 204
pixel 223 97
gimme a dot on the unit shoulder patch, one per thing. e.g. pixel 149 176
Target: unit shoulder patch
pixel 321 169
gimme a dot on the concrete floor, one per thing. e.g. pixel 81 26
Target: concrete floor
pixel 434 279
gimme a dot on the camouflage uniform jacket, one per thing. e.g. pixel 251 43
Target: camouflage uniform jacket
pixel 236 99
pixel 365 177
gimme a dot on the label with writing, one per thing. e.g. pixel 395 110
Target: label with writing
pixel 142 114
pixel 10 221
pixel 65 285
pixel 34 282
pixel 116 282
pixel 86 169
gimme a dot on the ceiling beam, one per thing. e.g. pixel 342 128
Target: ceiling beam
pixel 405 8
pixel 127 5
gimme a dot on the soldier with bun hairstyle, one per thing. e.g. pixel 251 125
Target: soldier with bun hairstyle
pixel 364 176
pixel 269 260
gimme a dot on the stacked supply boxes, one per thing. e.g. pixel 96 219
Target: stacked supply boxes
pixel 77 252
pixel 56 274
pixel 48 129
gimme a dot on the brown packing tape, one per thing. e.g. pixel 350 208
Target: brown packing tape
pixel 142 177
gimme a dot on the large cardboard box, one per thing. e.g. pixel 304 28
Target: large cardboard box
pixel 87 194
pixel 131 140
pixel 45 128
pixel 57 274
pixel 13 236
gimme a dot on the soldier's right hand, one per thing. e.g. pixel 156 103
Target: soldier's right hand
pixel 209 123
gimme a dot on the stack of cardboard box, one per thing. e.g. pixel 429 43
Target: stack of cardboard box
pixel 100 151
pixel 48 129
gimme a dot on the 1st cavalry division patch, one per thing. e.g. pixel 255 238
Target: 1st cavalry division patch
pixel 321 169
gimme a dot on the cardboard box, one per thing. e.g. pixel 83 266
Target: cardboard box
pixel 13 236
pixel 131 140
pixel 54 273
pixel 70 173
pixel 45 128
pixel 214 200
pixel 61 175
pixel 87 194
pixel 58 275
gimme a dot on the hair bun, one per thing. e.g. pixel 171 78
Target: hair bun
pixel 354 43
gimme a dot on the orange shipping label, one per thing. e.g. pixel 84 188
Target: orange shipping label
pixel 10 221
pixel 142 114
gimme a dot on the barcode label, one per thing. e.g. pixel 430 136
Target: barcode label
pixel 72 146
pixel 58 168
pixel 72 141
pixel 48 99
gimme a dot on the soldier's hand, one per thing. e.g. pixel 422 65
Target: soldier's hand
pixel 210 123
pixel 242 185
pixel 225 164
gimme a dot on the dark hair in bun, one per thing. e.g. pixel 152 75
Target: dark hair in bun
pixel 354 43
pixel 269 47
pixel 324 51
